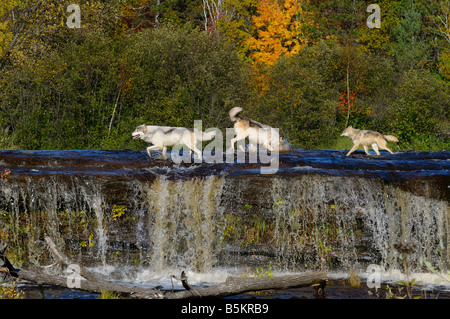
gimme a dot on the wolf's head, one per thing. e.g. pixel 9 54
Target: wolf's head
pixel 347 131
pixel 139 132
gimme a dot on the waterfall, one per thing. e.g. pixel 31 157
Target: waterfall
pixel 339 216
pixel 182 220
pixel 399 216
pixel 160 217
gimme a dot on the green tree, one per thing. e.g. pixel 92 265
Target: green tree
pixel 301 101
pixel 137 15
pixel 410 48
pixel 336 20
pixel 421 104
pixel 236 23
pixel 183 74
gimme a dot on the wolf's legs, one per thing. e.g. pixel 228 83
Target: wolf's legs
pixel 150 148
pixel 193 147
pixel 353 149
pixel 197 151
pixel 240 135
pixel 232 141
pixel 268 146
pixel 375 148
pixel 164 152
pixel 383 146
pixel 366 149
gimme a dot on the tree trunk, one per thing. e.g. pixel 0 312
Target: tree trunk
pixel 238 285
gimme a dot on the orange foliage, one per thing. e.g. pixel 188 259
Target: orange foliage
pixel 278 25
pixel 355 108
pixel 343 104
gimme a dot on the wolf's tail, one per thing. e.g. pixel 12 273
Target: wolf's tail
pixel 391 138
pixel 233 112
pixel 208 136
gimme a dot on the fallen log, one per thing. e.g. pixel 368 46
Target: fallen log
pixel 91 282
pixel 238 285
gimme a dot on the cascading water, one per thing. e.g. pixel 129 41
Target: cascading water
pixel 321 210
pixel 181 221
pixel 355 221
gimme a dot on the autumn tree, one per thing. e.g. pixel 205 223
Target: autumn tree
pixel 278 30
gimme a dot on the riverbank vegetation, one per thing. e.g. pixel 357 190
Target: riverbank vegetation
pixel 307 67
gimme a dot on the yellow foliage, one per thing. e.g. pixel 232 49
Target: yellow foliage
pixel 30 28
pixel 6 14
pixel 10 292
pixel 279 31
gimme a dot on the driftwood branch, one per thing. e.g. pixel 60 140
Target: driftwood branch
pixel 91 282
pixel 62 258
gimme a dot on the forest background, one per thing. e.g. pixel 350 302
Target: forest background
pixel 309 68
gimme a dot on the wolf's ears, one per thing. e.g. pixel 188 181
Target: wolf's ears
pixel 144 129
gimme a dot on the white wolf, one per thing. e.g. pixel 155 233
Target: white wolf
pixel 256 132
pixel 163 136
pixel 366 138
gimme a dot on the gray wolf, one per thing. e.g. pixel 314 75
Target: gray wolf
pixel 256 132
pixel 366 138
pixel 163 136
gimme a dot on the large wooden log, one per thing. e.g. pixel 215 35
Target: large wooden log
pixel 238 285
pixel 93 283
